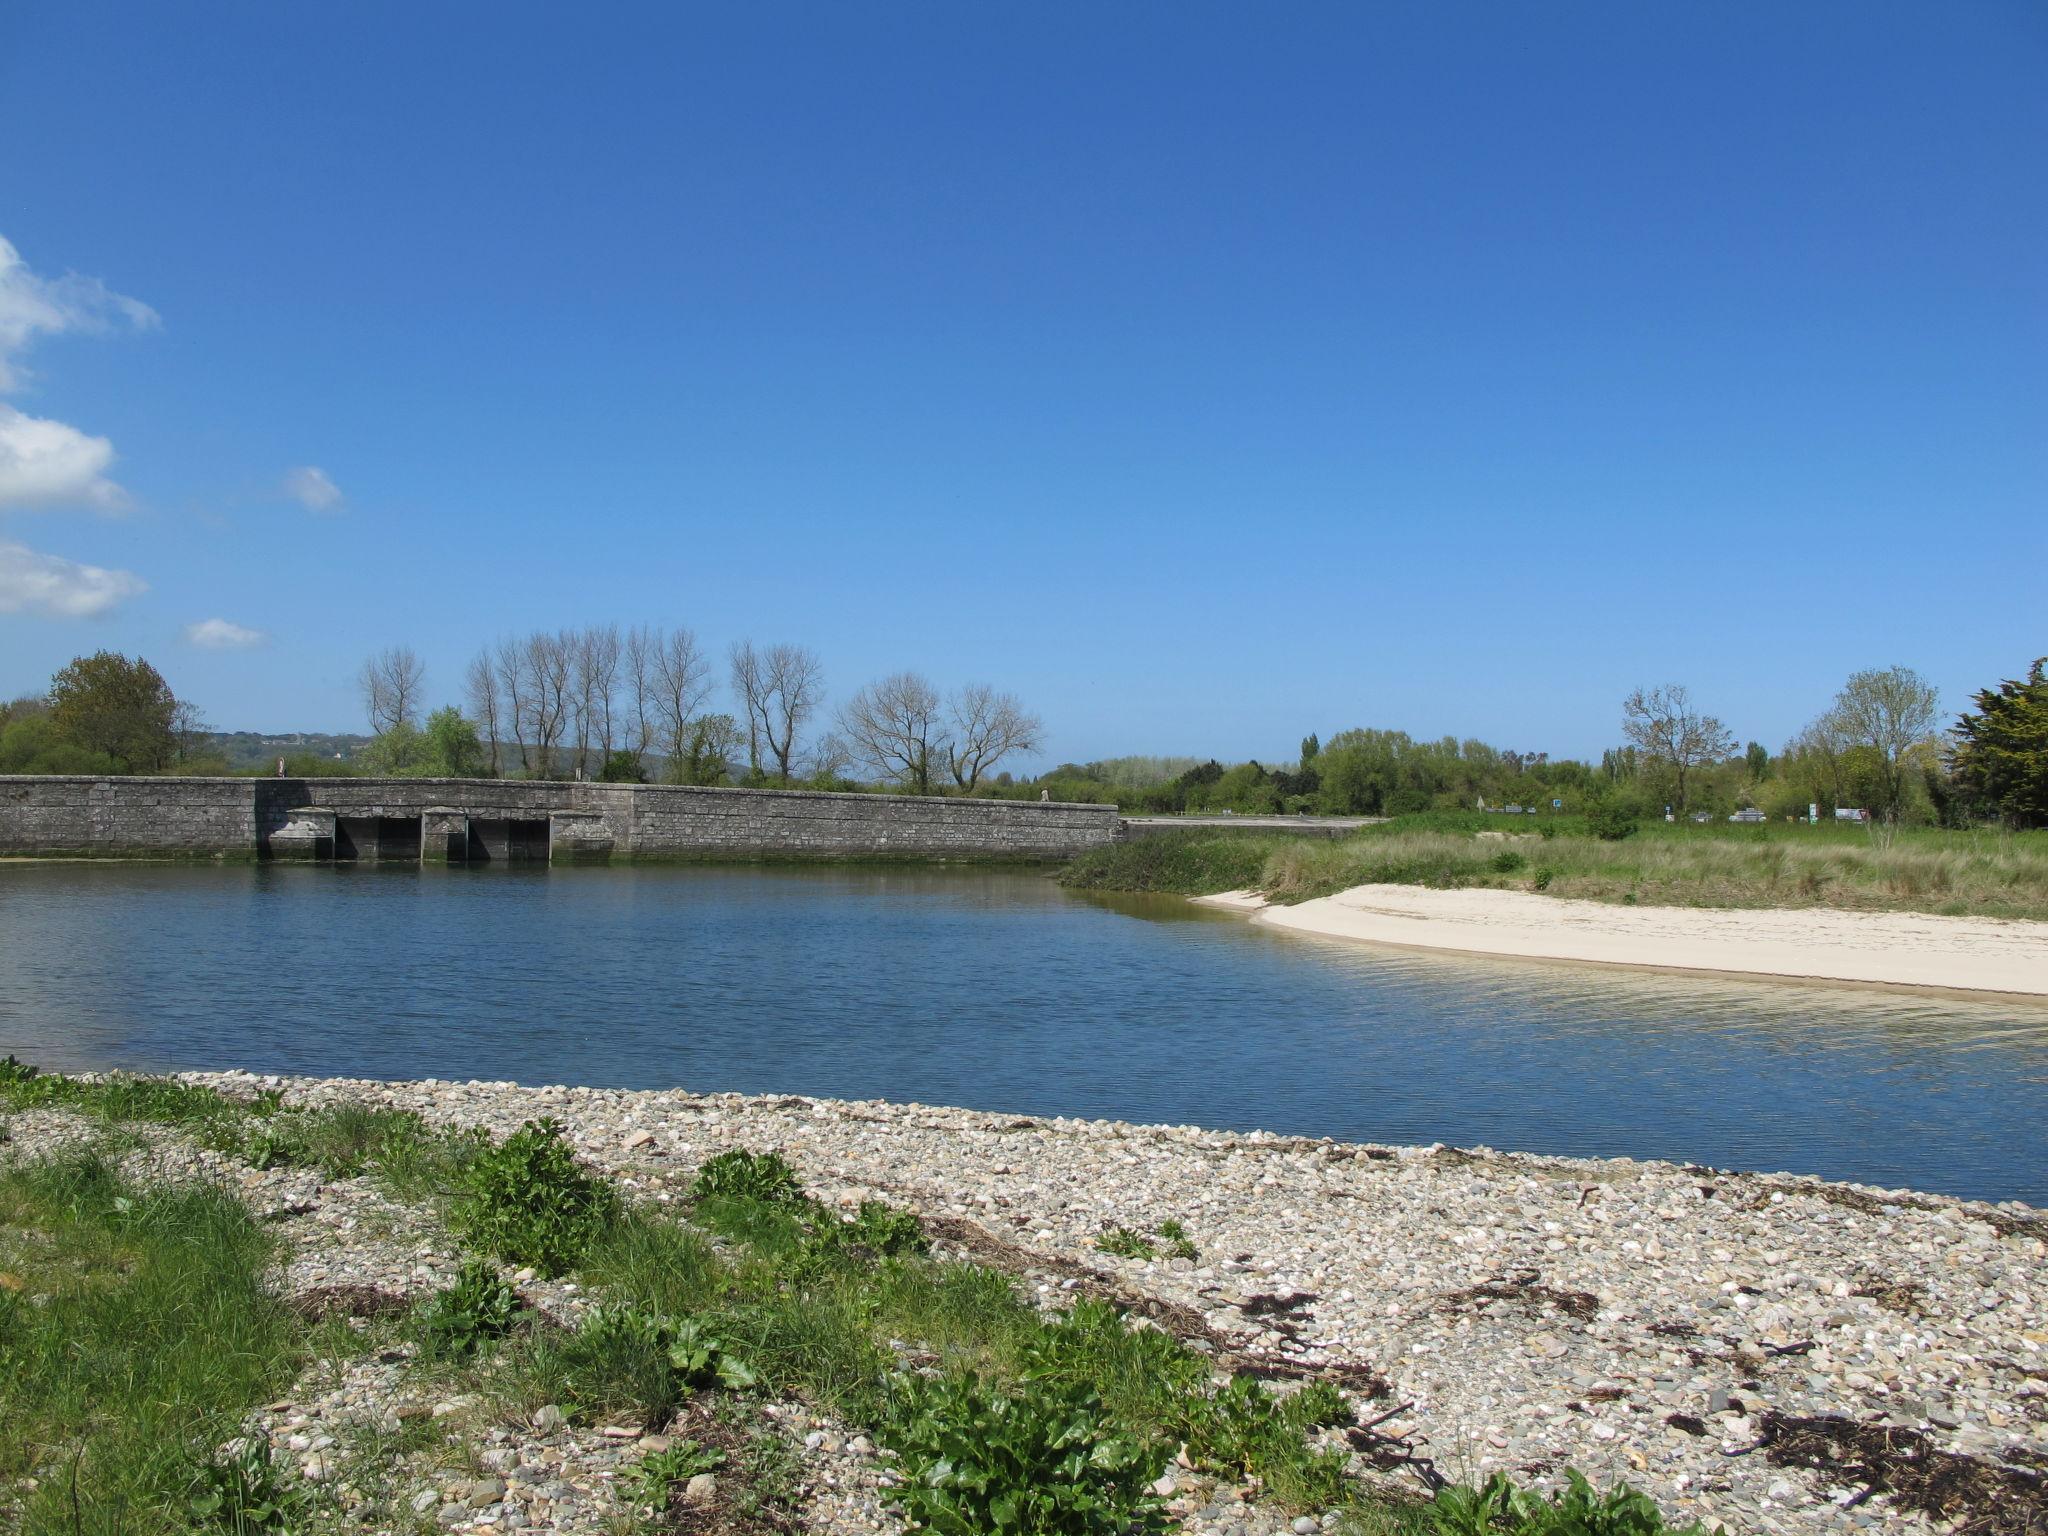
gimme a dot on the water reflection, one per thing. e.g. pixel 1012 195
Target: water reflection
pixel 1000 990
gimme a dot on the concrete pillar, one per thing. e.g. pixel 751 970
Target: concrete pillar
pixel 306 838
pixel 578 837
pixel 444 835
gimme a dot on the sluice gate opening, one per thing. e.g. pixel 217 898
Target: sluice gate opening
pixel 506 840
pixel 376 839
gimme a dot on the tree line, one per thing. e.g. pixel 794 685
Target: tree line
pixel 1877 747
pixel 636 705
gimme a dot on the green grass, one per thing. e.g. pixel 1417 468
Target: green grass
pixel 395 1147
pixel 140 1334
pixel 136 1334
pixel 1982 873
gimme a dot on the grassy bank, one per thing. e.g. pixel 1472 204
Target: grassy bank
pixel 1986 874
pixel 139 1337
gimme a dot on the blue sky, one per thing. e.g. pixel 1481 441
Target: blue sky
pixel 1206 375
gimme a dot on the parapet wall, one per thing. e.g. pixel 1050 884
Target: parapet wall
pixel 668 821
pixel 237 818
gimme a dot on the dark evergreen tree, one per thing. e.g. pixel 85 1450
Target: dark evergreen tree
pixel 2001 753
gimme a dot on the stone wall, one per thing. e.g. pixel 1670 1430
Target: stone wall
pixel 237 818
pixel 670 821
pixel 127 818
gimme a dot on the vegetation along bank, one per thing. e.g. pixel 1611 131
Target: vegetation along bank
pixel 242 1305
pixel 1985 872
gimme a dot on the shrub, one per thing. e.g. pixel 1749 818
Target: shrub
pixel 1507 862
pixel 528 1201
pixel 1244 1430
pixel 1045 1458
pixel 627 1358
pixel 1543 879
pixel 879 1231
pixel 477 1308
pixel 1611 821
pixel 743 1175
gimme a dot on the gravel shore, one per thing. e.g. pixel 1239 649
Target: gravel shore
pixel 1754 1351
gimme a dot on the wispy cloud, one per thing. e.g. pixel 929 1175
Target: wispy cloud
pixel 312 488
pixel 55 588
pixel 223 635
pixel 45 463
pixel 32 306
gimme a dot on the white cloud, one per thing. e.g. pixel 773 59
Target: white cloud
pixel 311 488
pixel 32 306
pixel 51 463
pixel 44 462
pixel 56 588
pixel 221 635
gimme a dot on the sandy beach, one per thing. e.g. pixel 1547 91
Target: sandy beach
pixel 1893 949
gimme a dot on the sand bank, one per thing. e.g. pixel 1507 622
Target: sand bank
pixel 1896 949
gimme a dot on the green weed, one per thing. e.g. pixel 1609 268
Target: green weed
pixel 478 1308
pixel 529 1201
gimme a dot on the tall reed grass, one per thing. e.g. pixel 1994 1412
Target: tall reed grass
pixel 1988 873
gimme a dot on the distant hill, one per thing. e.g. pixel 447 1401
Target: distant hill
pixel 262 749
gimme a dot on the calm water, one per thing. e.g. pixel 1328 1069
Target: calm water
pixel 1002 991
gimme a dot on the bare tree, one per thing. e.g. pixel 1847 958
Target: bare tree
pixel 480 686
pixel 829 758
pixel 1666 726
pixel 392 682
pixel 894 728
pixel 986 728
pixel 780 687
pixel 508 661
pixel 188 727
pixel 1890 710
pixel 545 663
pixel 638 675
pixel 679 685
pixel 593 686
pixel 749 685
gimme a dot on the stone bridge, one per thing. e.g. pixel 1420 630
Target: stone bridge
pixel 507 820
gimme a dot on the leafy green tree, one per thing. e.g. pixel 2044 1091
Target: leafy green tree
pixel 105 703
pixel 1759 759
pixel 1883 716
pixel 2001 751
pixel 708 751
pixel 448 748
pixel 453 748
pixel 1311 749
pixel 29 743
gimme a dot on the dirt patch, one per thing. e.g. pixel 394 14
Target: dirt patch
pixel 2004 1223
pixel 1183 1322
pixel 728 1512
pixel 1972 1496
pixel 1523 1289
pixel 1902 1297
pixel 324 1301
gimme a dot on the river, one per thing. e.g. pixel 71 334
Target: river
pixel 1000 990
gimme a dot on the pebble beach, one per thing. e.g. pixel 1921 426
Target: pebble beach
pixel 1748 1349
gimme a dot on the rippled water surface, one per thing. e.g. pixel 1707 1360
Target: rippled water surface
pixel 1001 991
